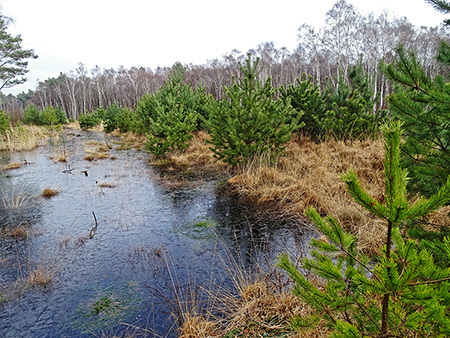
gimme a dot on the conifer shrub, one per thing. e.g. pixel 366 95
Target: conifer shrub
pixel 423 104
pixel 89 120
pixel 4 123
pixel 349 107
pixel 306 98
pixel 116 117
pixel 147 111
pixel 250 121
pixel 49 116
pixel 401 291
pixel 31 115
pixel 170 116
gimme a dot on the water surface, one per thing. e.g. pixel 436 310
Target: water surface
pixel 154 243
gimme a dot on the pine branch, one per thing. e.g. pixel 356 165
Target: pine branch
pixel 435 281
pixel 440 5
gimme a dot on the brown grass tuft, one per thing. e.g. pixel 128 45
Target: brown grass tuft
pixel 440 217
pixel 18 233
pixel 49 193
pixel 196 326
pixel 107 185
pixel 12 166
pixel 258 311
pixel 199 157
pixel 130 140
pixel 96 151
pixel 40 277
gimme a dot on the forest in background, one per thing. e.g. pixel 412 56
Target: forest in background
pixel 326 53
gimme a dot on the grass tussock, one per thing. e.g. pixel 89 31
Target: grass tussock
pixel 14 198
pixel 26 137
pixel 12 166
pixel 49 193
pixel 107 185
pixel 258 310
pixel 197 160
pixel 41 276
pixel 96 151
pixel 310 175
pixel 17 232
pixel 130 140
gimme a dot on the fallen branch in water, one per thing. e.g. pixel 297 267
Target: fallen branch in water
pixel 94 227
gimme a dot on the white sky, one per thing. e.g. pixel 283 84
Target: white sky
pixel 152 33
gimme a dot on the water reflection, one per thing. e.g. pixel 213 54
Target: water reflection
pixel 168 243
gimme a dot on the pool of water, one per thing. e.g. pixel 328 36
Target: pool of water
pixel 123 248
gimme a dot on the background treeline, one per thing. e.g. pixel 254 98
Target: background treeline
pixel 326 54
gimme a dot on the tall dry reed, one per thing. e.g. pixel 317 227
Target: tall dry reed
pixel 26 137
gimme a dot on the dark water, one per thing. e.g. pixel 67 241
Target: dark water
pixel 155 247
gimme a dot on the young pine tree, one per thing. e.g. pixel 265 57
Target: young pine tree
pixel 423 104
pixel 398 293
pixel 251 121
pixel 305 98
pixel 172 116
pixel 349 107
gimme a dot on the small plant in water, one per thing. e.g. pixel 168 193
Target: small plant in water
pixel 49 193
pixel 104 305
pixel 14 199
pixel 205 224
pixel 12 166
pixel 108 308
pixel 40 277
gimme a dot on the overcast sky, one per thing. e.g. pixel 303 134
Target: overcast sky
pixel 152 33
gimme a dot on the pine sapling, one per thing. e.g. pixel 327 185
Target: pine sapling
pixel 396 293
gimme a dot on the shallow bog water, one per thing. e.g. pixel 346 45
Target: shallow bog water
pixel 150 246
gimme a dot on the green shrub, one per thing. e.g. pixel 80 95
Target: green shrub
pixel 305 98
pixel 89 120
pixel 60 115
pixel 250 122
pixel 171 115
pixel 349 107
pixel 49 116
pixel 31 115
pixel 147 111
pixel 4 122
pixel 110 118
pixel 423 104
pixel 126 120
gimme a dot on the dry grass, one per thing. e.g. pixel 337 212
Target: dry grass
pixel 196 326
pixel 26 137
pixel 96 151
pixel 197 160
pixel 106 185
pixel 14 198
pixel 257 311
pixel 310 175
pixel 12 166
pixel 130 140
pixel 41 276
pixel 49 193
pixel 18 232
